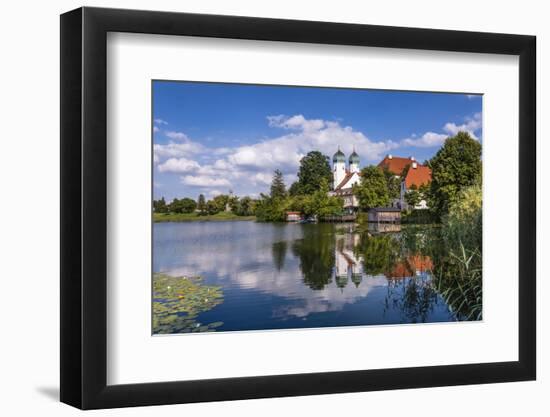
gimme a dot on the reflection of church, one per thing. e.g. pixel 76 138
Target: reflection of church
pixel 347 265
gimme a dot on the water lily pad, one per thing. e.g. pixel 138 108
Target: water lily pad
pixel 177 302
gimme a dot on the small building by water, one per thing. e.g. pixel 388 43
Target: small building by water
pixel 384 215
pixel 293 216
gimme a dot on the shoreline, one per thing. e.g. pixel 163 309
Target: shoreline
pixel 193 217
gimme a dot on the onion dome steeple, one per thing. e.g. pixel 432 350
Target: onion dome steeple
pixel 339 156
pixel 354 158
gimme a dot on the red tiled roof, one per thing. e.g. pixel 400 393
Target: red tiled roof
pixel 409 267
pixel 395 164
pixel 418 176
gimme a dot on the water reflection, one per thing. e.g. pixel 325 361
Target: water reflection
pixel 276 276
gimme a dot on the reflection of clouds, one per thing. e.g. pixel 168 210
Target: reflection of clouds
pixel 330 298
pixel 242 255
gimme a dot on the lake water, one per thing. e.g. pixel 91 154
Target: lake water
pixel 257 276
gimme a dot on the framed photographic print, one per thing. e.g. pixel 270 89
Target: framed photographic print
pixel 257 208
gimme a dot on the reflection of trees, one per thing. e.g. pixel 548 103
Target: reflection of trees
pixel 457 270
pixel 316 253
pixel 414 297
pixel 278 251
pixel 379 252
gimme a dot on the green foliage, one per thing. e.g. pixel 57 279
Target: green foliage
pixel 316 254
pixel 373 190
pixel 201 204
pixel 269 209
pixel 393 182
pixel 244 207
pixel 198 217
pixel 413 197
pixel 185 205
pixel 314 168
pixel 178 301
pixel 418 217
pixel 463 224
pixel 220 202
pixel 459 271
pixel 321 204
pixel 379 253
pixel 455 166
pixel 278 188
pixel 160 206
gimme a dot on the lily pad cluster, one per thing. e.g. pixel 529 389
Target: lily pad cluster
pixel 178 301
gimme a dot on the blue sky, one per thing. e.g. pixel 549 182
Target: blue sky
pixel 210 138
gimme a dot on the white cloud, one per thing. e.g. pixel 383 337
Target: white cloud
pixel 472 125
pixel 155 129
pixel 430 139
pixel 204 181
pixel 176 150
pixel 427 140
pixel 297 122
pixel 178 166
pixel 176 135
pixel 286 151
pixel 160 122
pixel 250 167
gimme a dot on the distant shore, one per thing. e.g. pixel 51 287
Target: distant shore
pixel 195 217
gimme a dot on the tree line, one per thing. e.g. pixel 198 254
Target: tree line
pixel 455 167
pixel 309 194
pixel 240 206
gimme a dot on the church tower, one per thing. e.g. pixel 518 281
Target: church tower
pixel 338 167
pixel 354 162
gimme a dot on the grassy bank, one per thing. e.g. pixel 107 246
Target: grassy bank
pixel 195 217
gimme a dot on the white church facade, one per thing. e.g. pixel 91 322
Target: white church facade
pixel 345 177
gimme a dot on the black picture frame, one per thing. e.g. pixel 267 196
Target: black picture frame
pixel 84 207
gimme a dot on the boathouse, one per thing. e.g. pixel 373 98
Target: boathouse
pixel 293 216
pixel 384 215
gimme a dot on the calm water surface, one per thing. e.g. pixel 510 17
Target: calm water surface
pixel 280 276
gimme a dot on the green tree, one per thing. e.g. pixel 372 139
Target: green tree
pixel 201 204
pixel 393 183
pixel 188 205
pixel 233 202
pixel 245 207
pixel 373 190
pixel 220 202
pixel 455 166
pixel 314 167
pixel 321 204
pixel 185 205
pixel 269 209
pixel 278 188
pixel 212 207
pixel 413 196
pixel 295 189
pixel 160 206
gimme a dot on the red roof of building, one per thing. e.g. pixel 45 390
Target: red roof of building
pixel 418 176
pixel 395 164
pixel 409 267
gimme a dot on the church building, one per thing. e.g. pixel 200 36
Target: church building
pixel 344 178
